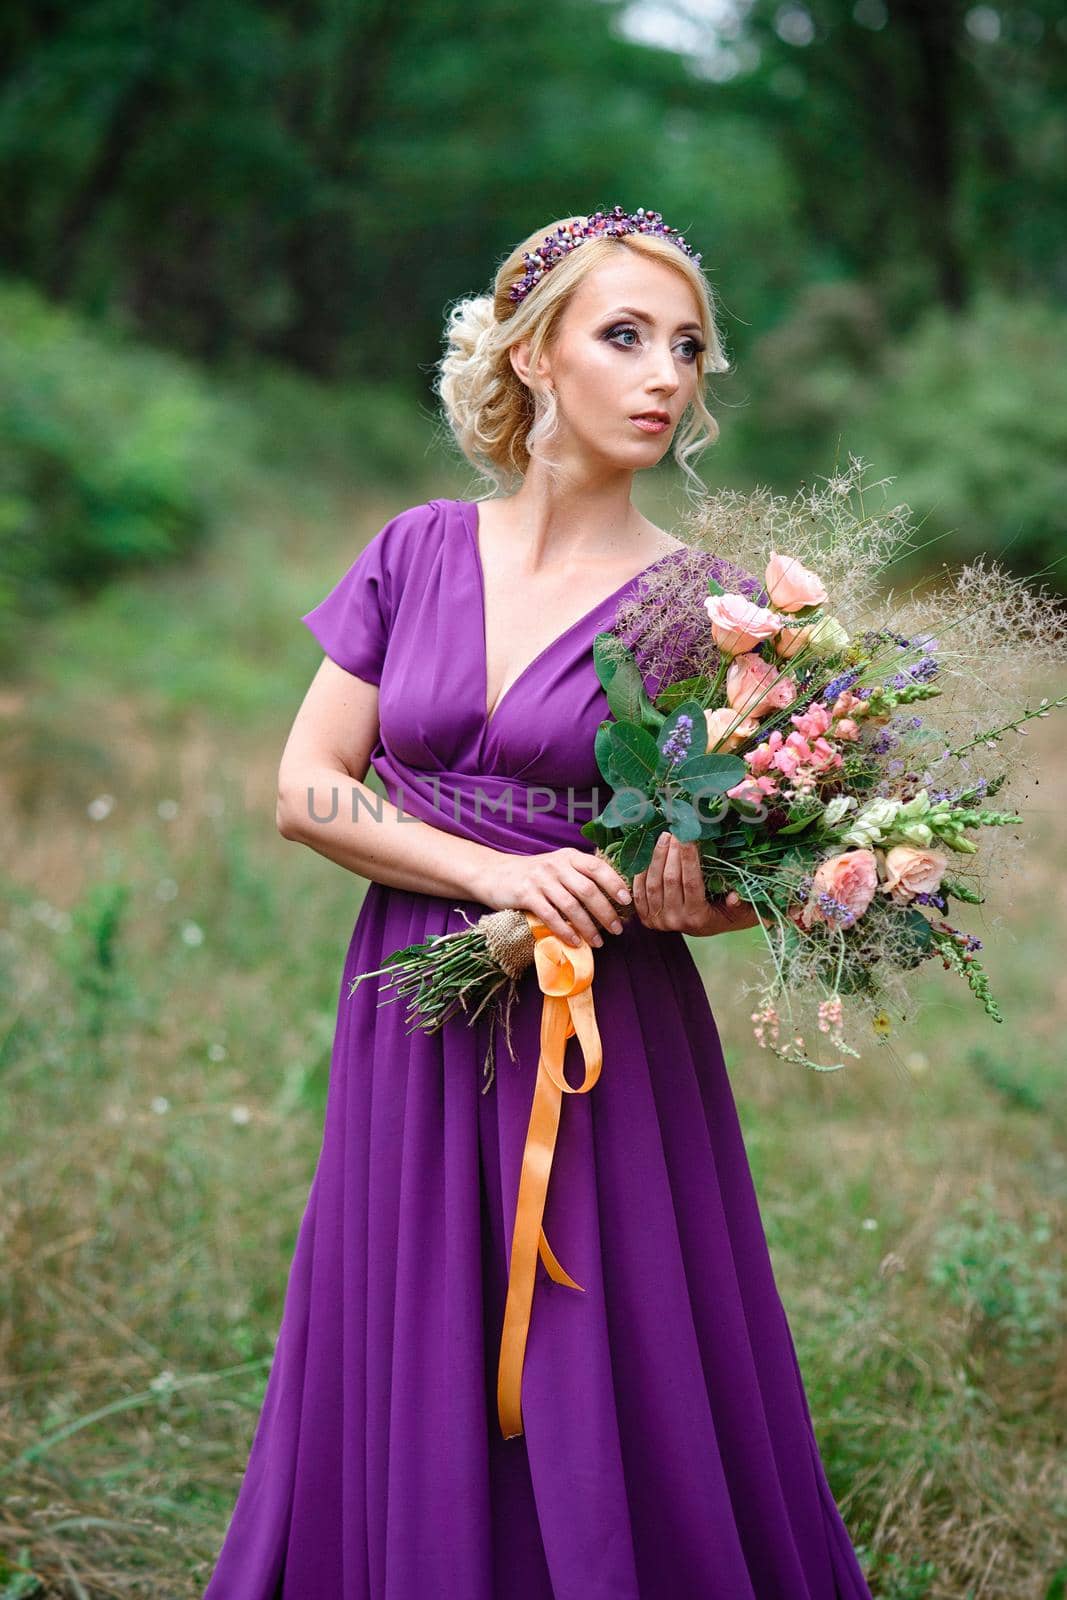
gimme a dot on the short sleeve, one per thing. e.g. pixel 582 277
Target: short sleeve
pixel 352 623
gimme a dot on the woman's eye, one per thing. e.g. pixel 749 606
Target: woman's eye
pixel 693 345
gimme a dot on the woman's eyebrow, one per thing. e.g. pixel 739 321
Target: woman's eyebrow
pixel 643 316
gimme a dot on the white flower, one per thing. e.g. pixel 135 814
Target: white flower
pixel 160 1104
pixel 917 806
pixel 167 809
pixel 916 833
pixel 872 821
pixel 240 1114
pixel 869 1223
pixel 101 807
pixel 192 933
pixel 837 808
pixel 826 637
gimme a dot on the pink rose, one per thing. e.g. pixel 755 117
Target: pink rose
pixel 851 879
pixel 755 686
pixel 790 586
pixel 737 624
pixel 725 732
pixel 911 871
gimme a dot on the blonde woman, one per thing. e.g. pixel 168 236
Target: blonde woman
pixel 664 1448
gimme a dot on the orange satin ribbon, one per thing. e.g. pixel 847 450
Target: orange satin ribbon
pixel 565 974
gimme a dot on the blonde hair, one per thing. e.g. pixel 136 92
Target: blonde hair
pixel 496 420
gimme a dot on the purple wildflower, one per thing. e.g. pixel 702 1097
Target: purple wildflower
pixel 677 745
pixel 838 685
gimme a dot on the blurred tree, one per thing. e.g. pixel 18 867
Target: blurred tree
pixel 926 138
pixel 242 175
pixel 318 181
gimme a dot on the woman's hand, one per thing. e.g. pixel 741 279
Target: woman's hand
pixel 570 890
pixel 670 894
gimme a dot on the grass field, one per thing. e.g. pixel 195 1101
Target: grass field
pixel 168 982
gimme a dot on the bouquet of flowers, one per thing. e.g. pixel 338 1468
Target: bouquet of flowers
pixel 785 739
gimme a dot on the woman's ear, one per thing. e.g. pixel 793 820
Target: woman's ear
pixel 519 356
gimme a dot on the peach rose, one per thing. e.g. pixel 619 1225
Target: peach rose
pixel 851 878
pixel 790 586
pixel 725 732
pixel 910 871
pixel 791 641
pixel 737 624
pixel 823 638
pixel 751 686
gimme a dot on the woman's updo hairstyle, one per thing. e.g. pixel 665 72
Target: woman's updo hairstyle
pixel 497 421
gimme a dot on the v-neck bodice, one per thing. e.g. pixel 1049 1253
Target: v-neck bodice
pixel 409 616
pixel 594 614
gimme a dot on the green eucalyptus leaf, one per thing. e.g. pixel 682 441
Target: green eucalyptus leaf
pixel 636 852
pixel 608 653
pixel 684 822
pixel 634 756
pixel 706 775
pixel 595 831
pixel 627 807
pixel 603 748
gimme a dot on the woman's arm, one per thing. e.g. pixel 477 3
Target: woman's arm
pixel 324 803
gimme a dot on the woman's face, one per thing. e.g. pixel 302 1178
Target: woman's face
pixel 627 343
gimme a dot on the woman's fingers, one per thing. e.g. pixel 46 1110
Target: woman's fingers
pixel 545 910
pixel 598 906
pixel 694 896
pixel 671 894
pixel 608 877
pixel 654 885
pixel 574 911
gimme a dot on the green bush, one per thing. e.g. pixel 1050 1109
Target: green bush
pixel 971 421
pixel 999 1273
pixel 112 456
pixel 965 412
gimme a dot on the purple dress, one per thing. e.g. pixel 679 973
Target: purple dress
pixel 668 1450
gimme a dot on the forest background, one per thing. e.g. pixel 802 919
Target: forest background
pixel 228 239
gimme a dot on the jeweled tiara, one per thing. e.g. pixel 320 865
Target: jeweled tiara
pixel 569 235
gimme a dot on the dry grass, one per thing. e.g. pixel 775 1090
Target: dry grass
pixel 169 984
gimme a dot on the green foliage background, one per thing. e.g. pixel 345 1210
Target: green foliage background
pixel 877 187
pixel 228 239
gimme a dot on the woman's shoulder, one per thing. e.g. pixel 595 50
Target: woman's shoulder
pixel 410 530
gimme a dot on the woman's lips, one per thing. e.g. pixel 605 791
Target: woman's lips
pixel 650 424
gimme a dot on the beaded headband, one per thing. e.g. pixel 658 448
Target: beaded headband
pixel 569 235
